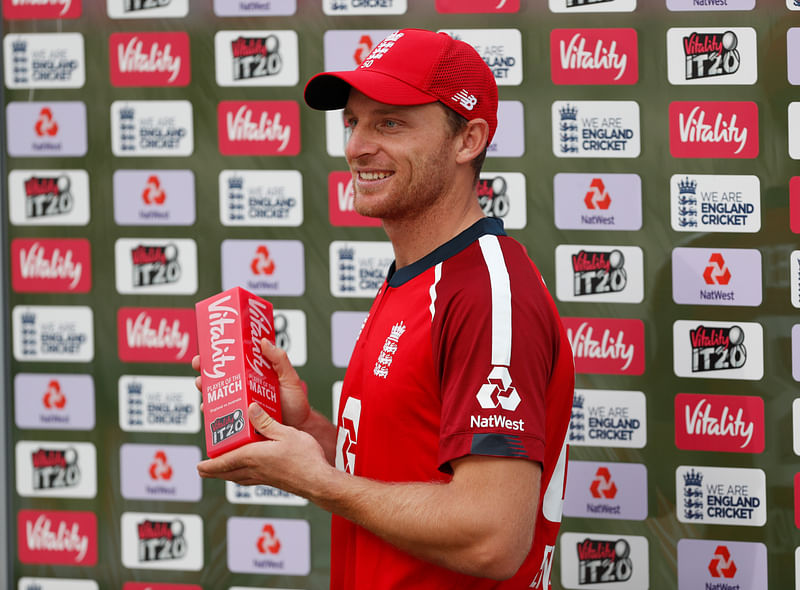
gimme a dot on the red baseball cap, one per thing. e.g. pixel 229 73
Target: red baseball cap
pixel 412 67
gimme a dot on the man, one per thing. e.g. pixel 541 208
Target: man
pixel 450 438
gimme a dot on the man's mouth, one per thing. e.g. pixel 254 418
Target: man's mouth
pixel 364 175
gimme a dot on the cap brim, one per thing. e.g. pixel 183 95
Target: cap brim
pixel 329 90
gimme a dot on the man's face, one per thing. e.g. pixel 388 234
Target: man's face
pixel 402 157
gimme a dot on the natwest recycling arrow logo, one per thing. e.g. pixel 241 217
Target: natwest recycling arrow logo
pixel 602 486
pixel 722 566
pixel 597 197
pixel 268 542
pixel 498 391
pixel 716 273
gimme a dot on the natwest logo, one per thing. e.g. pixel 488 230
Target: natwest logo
pixel 42 265
pixel 267 542
pixel 149 59
pixel 722 565
pixel 46 124
pixel 57 537
pixel 603 486
pixel 606 346
pixel 259 128
pixel 41 9
pixel 713 129
pixel 728 423
pixel 716 273
pixel 594 56
pixel 156 335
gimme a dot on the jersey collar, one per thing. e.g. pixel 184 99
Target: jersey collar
pixel 484 226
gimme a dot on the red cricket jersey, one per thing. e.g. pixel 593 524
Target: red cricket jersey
pixel 463 353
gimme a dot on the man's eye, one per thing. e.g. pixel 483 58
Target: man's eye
pixel 391 124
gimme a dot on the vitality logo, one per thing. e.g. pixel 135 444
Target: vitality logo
pixel 150 59
pixel 594 56
pixel 726 423
pixel 713 129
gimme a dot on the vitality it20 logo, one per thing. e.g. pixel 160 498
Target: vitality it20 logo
pixel 712 56
pixel 256 58
pixel 162 541
pixel 595 560
pixel 599 273
pixel 718 350
pixel 48 197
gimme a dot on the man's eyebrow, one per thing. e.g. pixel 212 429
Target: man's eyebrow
pixel 387 110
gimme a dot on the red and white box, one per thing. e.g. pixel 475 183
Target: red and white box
pixel 234 372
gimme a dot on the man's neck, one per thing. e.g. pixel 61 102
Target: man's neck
pixel 413 238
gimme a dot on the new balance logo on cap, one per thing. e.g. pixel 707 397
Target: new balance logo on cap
pixel 465 99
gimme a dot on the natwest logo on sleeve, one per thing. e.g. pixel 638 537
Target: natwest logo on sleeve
pixel 149 59
pixel 606 346
pixel 156 335
pixel 43 265
pixel 729 423
pixel 713 129
pixel 41 9
pixel 594 56
pixel 259 128
pixel 57 537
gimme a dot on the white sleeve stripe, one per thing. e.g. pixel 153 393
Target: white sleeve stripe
pixel 437 275
pixel 501 299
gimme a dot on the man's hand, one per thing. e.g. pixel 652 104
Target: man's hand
pixel 290 460
pixel 295 408
pixel 296 412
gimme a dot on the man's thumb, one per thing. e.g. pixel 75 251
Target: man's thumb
pixel 261 421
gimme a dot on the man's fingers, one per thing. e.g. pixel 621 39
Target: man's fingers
pixel 196 362
pixel 263 422
pixel 279 360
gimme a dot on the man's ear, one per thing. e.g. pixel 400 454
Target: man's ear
pixel 474 138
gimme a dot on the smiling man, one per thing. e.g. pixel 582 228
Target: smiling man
pixel 446 466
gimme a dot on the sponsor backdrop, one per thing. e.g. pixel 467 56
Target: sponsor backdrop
pixel 156 152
